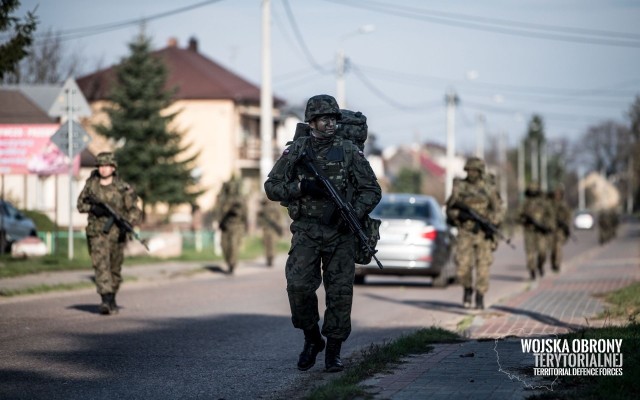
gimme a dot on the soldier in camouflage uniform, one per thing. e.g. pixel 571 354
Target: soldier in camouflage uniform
pixel 560 235
pixel 269 221
pixel 607 225
pixel 538 221
pixel 107 247
pixel 473 247
pixel 322 249
pixel 231 214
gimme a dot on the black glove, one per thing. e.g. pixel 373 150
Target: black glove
pixel 99 211
pixel 312 188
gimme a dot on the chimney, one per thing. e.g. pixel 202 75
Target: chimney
pixel 172 42
pixel 193 44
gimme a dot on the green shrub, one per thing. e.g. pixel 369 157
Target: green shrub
pixel 42 221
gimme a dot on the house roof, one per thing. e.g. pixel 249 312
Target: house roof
pixel 16 108
pixel 194 75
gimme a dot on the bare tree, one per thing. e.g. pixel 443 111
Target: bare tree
pixel 604 147
pixel 48 62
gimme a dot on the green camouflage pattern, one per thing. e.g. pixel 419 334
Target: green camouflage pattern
pixel 231 213
pixel 539 209
pixel 608 222
pixel 322 104
pixel 475 163
pixel 320 250
pixel 107 249
pixel 473 249
pixel 106 158
pixel 560 235
pixel 268 219
pixel 353 127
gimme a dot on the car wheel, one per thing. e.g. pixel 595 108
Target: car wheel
pixel 358 280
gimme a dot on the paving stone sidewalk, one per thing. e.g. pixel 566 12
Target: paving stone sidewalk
pixel 493 366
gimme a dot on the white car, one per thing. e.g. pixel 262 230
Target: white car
pixel 583 220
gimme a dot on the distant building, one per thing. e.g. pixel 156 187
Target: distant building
pixel 219 114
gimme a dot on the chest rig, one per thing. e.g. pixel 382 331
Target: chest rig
pixel 333 163
pixel 476 196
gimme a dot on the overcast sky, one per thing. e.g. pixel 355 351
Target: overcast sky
pixel 575 62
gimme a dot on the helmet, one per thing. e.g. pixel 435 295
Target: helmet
pixel 322 104
pixel 474 163
pixel 533 188
pixel 106 158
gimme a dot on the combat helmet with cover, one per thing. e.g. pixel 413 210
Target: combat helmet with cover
pixel 322 104
pixel 475 163
pixel 533 189
pixel 106 158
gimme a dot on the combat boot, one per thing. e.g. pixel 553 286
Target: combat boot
pixel 532 274
pixel 332 361
pixel 479 301
pixel 313 344
pixel 466 298
pixel 105 308
pixel 269 261
pixel 112 303
pixel 231 268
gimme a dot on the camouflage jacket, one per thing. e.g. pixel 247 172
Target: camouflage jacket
pixel 118 195
pixel 340 161
pixel 269 217
pixel 480 196
pixel 537 212
pixel 230 210
pixel 562 215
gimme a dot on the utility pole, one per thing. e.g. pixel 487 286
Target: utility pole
pixel 581 196
pixel 451 100
pixel 341 96
pixel 544 184
pixel 534 160
pixel 480 136
pixel 70 93
pixel 521 163
pixel 266 97
pixel 502 161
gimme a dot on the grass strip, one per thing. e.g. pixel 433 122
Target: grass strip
pixel 378 358
pixel 623 303
pixel 45 289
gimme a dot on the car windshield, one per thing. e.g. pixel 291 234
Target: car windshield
pixel 402 211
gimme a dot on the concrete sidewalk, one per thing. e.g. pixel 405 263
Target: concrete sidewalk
pixel 492 366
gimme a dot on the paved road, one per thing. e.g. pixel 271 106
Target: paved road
pixel 207 335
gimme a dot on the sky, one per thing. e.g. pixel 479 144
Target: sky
pixel 574 62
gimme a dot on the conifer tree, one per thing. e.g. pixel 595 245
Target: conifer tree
pixel 17 36
pixel 150 158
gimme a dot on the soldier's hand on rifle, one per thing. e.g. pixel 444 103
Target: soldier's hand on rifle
pixel 312 188
pixel 99 211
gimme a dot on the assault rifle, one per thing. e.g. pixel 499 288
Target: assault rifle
pixel 273 224
pixel 542 228
pixel 114 218
pixel 347 213
pixel 565 228
pixel 487 227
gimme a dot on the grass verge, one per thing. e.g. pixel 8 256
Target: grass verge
pixel 378 358
pixel 45 289
pixel 623 303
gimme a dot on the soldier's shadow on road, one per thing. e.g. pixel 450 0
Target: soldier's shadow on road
pixel 542 318
pixel 89 308
pixel 435 305
pixel 217 269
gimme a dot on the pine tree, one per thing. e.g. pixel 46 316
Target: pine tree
pixel 151 156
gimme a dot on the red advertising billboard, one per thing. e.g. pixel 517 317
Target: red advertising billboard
pixel 27 149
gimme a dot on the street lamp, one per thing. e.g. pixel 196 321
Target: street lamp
pixel 341 68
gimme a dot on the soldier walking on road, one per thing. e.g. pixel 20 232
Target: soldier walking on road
pixel 538 221
pixel 562 231
pixel 269 221
pixel 106 240
pixel 231 214
pixel 474 248
pixel 322 248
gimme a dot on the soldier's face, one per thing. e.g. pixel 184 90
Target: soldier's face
pixel 325 125
pixel 106 171
pixel 473 175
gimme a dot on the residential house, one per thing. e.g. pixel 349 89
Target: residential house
pixel 219 116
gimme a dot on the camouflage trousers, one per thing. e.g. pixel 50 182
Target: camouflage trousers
pixel 230 241
pixel 536 247
pixel 269 238
pixel 107 255
pixel 557 241
pixel 473 250
pixel 321 254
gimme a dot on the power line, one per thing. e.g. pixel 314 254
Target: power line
pixel 499 26
pixel 301 43
pixel 77 33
